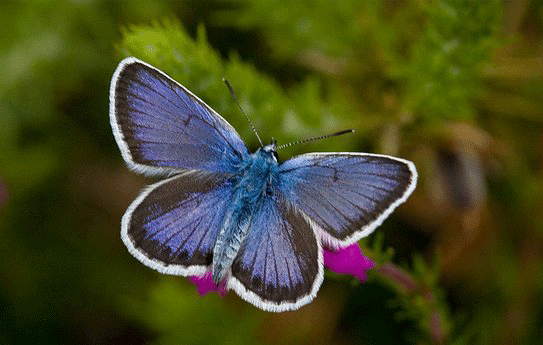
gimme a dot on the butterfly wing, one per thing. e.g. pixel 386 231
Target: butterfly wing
pixel 280 265
pixel 346 195
pixel 162 128
pixel 172 226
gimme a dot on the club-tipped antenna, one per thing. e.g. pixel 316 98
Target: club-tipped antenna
pixel 316 138
pixel 240 109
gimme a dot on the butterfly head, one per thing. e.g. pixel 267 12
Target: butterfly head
pixel 271 149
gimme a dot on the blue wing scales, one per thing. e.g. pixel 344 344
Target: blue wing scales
pixel 337 198
pixel 280 265
pixel 346 195
pixel 173 225
pixel 162 128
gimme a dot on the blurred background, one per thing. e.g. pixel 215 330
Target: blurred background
pixel 454 85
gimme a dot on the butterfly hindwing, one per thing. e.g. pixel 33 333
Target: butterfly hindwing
pixel 162 128
pixel 280 265
pixel 173 225
pixel 347 195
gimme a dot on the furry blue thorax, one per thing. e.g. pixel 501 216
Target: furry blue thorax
pixel 253 182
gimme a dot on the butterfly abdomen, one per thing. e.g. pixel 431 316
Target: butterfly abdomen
pixel 250 187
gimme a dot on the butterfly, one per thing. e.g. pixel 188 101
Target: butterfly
pixel 258 224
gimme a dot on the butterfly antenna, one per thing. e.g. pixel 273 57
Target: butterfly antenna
pixel 240 109
pixel 316 138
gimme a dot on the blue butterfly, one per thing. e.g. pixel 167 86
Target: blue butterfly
pixel 244 216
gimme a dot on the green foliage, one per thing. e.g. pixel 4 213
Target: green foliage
pixel 416 286
pixel 300 22
pixel 190 318
pixel 442 74
pixel 433 61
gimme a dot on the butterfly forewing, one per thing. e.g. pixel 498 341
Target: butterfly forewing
pixel 173 225
pixel 279 267
pixel 161 127
pixel 347 195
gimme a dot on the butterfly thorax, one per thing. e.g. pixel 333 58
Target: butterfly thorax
pixel 251 185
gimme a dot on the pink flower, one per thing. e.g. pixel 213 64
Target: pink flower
pixel 347 260
pixel 205 284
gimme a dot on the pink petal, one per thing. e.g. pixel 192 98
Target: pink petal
pixel 348 260
pixel 205 284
